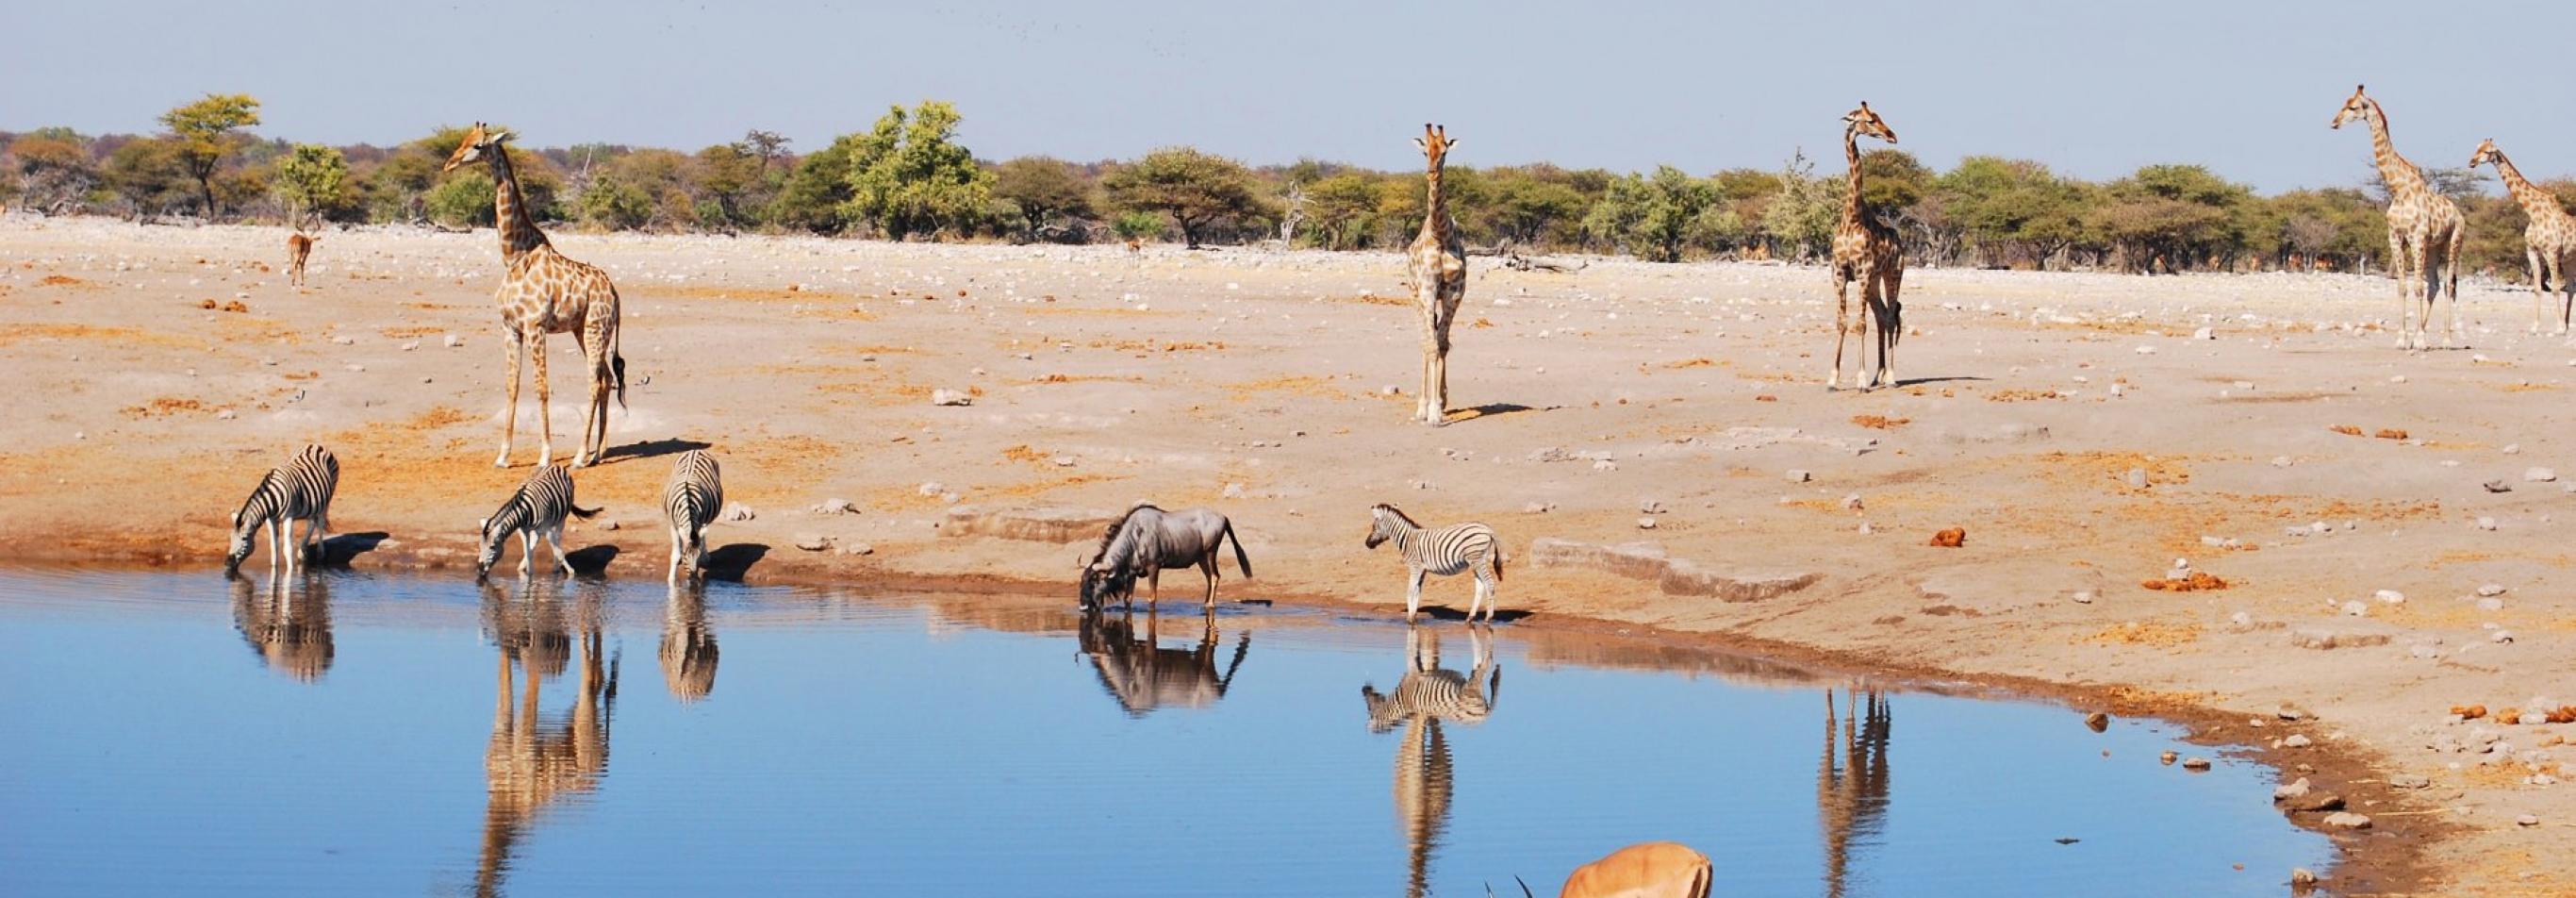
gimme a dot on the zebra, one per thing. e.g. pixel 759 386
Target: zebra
pixel 1447 551
pixel 1431 691
pixel 537 509
pixel 690 503
pixel 300 489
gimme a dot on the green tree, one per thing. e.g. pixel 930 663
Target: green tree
pixel 310 178
pixel 916 177
pixel 206 131
pixel 1656 215
pixel 149 175
pixel 463 199
pixel 816 196
pixel 1138 225
pixel 1041 188
pixel 1196 189
pixel 725 174
pixel 53 172
pixel 1340 209
pixel 1799 220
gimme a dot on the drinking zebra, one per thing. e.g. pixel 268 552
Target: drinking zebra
pixel 298 490
pixel 1448 551
pixel 690 502
pixel 537 509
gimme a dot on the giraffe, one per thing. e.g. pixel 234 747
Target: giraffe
pixel 2549 241
pixel 2424 229
pixel 542 293
pixel 1867 251
pixel 298 246
pixel 1852 780
pixel 1437 261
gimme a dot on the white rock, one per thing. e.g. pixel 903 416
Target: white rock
pixel 2485 523
pixel 813 542
pixel 2296 740
pixel 2539 475
pixel 835 506
pixel 2355 609
pixel 1646 523
pixel 2500 636
pixel 2083 597
pixel 932 488
pixel 736 511
pixel 2526 820
pixel 2347 820
pixel 2490 603
pixel 2280 461
pixel 2204 334
pixel 950 397
pixel 1797 475
pixel 2491 589
pixel 2390 596
pixel 454 341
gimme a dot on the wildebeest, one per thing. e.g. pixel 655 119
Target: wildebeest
pixel 1148 539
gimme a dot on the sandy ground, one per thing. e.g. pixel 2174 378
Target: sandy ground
pixel 1257 383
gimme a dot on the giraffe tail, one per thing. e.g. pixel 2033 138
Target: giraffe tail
pixel 617 354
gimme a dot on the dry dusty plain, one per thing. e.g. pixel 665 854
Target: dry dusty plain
pixel 2087 432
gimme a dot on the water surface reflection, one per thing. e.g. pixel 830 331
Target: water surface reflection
pixel 534 758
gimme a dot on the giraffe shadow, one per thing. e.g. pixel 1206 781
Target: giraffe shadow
pixel 591 560
pixel 729 562
pixel 651 449
pixel 1488 410
pixel 1925 381
pixel 342 548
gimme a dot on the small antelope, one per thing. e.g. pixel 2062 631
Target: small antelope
pixel 298 246
pixel 1643 870
pixel 537 509
pixel 1447 551
pixel 301 490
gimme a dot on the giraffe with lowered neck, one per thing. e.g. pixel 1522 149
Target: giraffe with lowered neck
pixel 2425 230
pixel 1437 260
pixel 544 293
pixel 2549 241
pixel 1868 251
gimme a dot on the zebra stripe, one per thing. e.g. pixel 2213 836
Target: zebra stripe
pixel 299 490
pixel 1447 551
pixel 536 510
pixel 1429 690
pixel 690 502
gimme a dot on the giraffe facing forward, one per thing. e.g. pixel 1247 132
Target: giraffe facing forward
pixel 1437 261
pixel 2549 241
pixel 542 293
pixel 2424 230
pixel 1868 251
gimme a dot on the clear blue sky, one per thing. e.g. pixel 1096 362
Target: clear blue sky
pixel 2093 89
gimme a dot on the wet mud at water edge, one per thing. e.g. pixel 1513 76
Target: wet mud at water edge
pixel 357 734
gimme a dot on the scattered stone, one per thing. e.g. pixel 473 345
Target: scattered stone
pixel 2539 475
pixel 1646 523
pixel 2296 740
pixel 2280 461
pixel 2326 638
pixel 2097 721
pixel 950 397
pixel 2486 523
pixel 2167 758
pixel 454 341
pixel 1045 525
pixel 608 525
pixel 2490 604
pixel 2497 486
pixel 2409 781
pixel 2295 789
pixel 1797 475
pixel 1951 538
pixel 2204 334
pixel 225 415
pixel 2137 478
pixel 1538 508
pixel 736 511
pixel 2390 596
pixel 1063 461
pixel 854 549
pixel 2195 764
pixel 2347 820
pixel 2355 609
pixel 2500 636
pixel 2083 597
pixel 1650 506
pixel 1231 491
pixel 932 488
pixel 813 542
pixel 2526 820
pixel 836 506
pixel 2491 589
pixel 2302 876
pixel 2291 714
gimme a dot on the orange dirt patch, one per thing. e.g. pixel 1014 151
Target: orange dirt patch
pixel 233 306
pixel 57 280
pixel 1159 345
pixel 1880 422
pixel 1301 385
pixel 2390 433
pixel 1377 300
pixel 2022 395
pixel 2199 581
pixel 1026 454
pixel 2346 430
pixel 164 407
pixel 1701 362
pixel 2469 712
pixel 17 332
pixel 2155 635
pixel 2087 467
pixel 1765 397
pixel 1951 538
pixel 405 333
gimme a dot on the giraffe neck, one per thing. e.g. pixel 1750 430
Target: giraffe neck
pixel 519 235
pixel 1435 220
pixel 1851 158
pixel 2393 168
pixel 2535 201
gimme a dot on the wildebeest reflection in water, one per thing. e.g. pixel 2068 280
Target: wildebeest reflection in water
pixel 1142 675
pixel 688 646
pixel 532 761
pixel 1852 779
pixel 287 620
pixel 1424 772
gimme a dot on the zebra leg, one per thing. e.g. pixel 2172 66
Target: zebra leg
pixel 554 539
pixel 676 546
pixel 1413 597
pixel 527 550
pixel 294 547
pixel 276 561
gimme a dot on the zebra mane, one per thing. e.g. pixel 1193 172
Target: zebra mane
pixel 1398 513
pixel 257 494
pixel 1111 535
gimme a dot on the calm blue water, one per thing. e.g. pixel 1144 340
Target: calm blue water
pixel 172 733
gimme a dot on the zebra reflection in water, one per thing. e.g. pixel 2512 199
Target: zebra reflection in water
pixel 688 650
pixel 1425 774
pixel 1143 676
pixel 532 761
pixel 287 620
pixel 1851 779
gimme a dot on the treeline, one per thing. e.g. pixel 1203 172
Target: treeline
pixel 908 177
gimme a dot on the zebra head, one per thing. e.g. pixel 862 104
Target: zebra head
pixel 1384 522
pixel 240 548
pixel 491 551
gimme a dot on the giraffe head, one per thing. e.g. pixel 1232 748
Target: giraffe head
pixel 1866 121
pixel 478 141
pixel 2356 108
pixel 1435 144
pixel 2487 153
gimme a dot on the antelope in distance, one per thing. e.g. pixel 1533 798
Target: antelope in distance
pixel 298 246
pixel 1643 870
pixel 1144 676
pixel 1148 539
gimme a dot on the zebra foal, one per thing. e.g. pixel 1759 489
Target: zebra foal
pixel 690 502
pixel 299 490
pixel 537 509
pixel 1447 551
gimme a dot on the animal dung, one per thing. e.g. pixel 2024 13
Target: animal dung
pixel 2469 712
pixel 1951 538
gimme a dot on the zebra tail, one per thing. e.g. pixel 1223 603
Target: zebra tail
pixel 1498 562
pixel 587 513
pixel 1240 560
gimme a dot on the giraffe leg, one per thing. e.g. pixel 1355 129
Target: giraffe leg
pixel 1842 326
pixel 596 351
pixel 514 342
pixel 2539 288
pixel 2405 299
pixel 2450 272
pixel 1891 328
pixel 1440 374
pixel 2567 291
pixel 545 404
